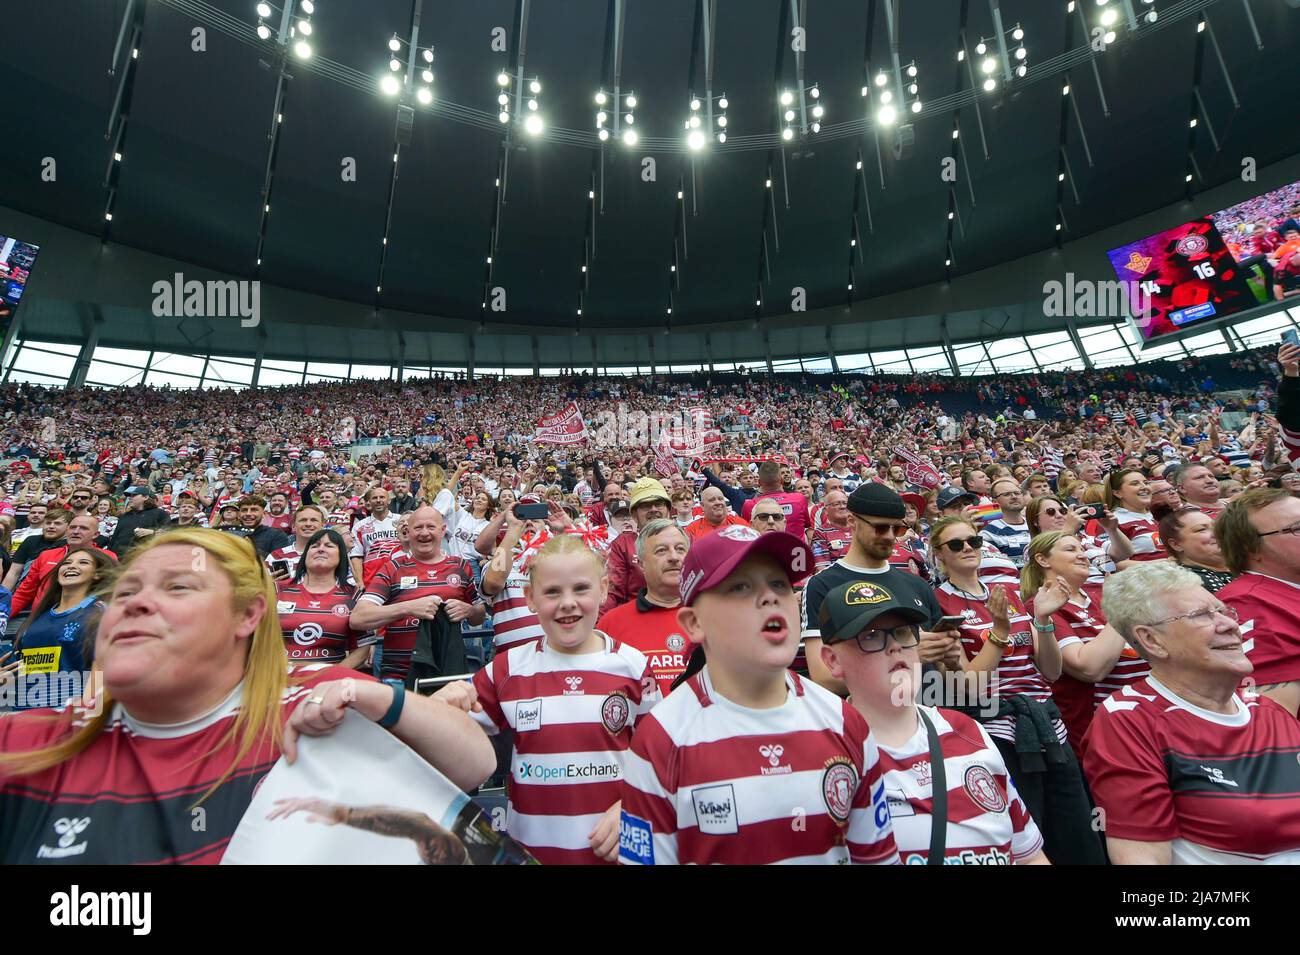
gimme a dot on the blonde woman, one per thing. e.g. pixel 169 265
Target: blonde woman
pixel 195 705
pixel 436 490
pixel 1094 657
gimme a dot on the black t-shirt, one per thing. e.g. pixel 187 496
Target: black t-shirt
pixel 32 547
pixel 906 585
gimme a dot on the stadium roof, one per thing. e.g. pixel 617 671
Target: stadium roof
pixel 193 130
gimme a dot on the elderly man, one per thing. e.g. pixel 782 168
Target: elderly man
pixel 649 623
pixel 650 502
pixel 1198 487
pixel 767 516
pixel 716 516
pixel 415 586
pixel 833 532
pixel 1186 768
pixel 1259 534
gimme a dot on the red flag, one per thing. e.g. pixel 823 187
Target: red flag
pixel 564 427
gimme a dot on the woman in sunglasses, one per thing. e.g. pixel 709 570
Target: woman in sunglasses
pixel 1105 550
pixel 999 636
pixel 1095 658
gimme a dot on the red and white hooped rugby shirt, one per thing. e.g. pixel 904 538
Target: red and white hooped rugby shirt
pixel 709 781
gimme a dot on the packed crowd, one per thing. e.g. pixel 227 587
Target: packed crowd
pixel 864 618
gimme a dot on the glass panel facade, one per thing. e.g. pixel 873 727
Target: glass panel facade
pixel 52 363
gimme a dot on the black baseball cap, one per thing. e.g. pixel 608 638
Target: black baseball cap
pixel 876 500
pixel 851 608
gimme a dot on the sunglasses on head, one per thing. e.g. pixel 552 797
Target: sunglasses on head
pixel 959 544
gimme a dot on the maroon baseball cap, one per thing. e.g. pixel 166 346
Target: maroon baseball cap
pixel 917 501
pixel 714 556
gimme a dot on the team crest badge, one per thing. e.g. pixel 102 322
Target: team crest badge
pixel 341 610
pixel 983 790
pixel 676 642
pixel 453 580
pixel 1190 245
pixel 738 532
pixel 614 712
pixel 839 783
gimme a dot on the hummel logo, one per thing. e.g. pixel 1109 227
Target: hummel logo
pixel 1216 776
pixel 575 684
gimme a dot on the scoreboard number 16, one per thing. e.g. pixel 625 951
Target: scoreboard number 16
pixel 1204 270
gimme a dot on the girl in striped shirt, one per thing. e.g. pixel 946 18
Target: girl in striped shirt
pixel 572 699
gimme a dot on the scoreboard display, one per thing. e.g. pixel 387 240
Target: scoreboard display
pixel 1187 272
pixel 17 259
pixel 1213 267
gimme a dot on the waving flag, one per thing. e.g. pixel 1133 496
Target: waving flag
pixel 565 427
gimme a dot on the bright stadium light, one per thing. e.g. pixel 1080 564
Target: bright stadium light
pixel 263 9
pixel 533 124
pixel 390 85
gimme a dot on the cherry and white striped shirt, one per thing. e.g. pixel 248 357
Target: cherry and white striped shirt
pixel 988 823
pixel 572 715
pixel 1144 532
pixel 1017 673
pixel 709 781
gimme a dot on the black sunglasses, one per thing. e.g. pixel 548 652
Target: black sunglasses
pixel 893 530
pixel 959 544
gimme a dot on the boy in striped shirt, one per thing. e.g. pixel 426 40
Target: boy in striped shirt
pixel 869 640
pixel 572 699
pixel 745 762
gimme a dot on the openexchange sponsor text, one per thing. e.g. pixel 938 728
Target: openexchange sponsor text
pixel 546 774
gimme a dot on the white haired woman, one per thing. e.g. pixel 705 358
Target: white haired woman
pixel 1186 767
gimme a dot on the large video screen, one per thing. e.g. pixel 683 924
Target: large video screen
pixel 17 259
pixel 1214 267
